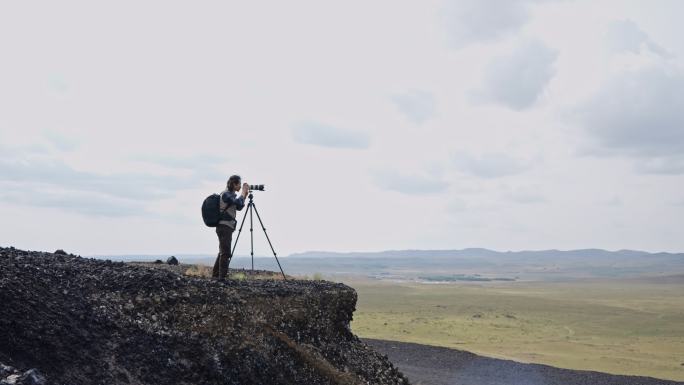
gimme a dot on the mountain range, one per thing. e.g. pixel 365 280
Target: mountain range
pixel 470 262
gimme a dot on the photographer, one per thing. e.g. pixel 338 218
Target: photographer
pixel 230 202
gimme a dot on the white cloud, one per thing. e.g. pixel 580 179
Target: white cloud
pixel 139 186
pixel 669 165
pixel 525 195
pixel 418 106
pixel 615 201
pixel 469 21
pixel 489 165
pixel 194 162
pixel 329 136
pixel 81 202
pixel 639 114
pixel 626 36
pixel 60 141
pixel 412 184
pixel 518 79
pixel 42 179
pixel 486 21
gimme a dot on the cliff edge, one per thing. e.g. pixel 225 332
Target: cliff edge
pixel 72 320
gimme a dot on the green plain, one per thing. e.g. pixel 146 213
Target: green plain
pixel 633 327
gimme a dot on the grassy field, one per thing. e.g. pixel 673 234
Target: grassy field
pixel 622 327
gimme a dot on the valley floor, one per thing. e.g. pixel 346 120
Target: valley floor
pixel 627 327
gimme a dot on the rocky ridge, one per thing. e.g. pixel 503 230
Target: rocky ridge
pixel 83 321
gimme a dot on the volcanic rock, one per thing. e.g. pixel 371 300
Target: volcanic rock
pixel 12 376
pixel 87 321
pixel 172 260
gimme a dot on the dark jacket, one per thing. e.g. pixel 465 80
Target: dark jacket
pixel 230 203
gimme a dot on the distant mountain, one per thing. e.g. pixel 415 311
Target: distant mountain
pixel 478 263
pixel 481 252
pixel 474 263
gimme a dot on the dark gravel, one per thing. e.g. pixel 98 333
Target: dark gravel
pixel 431 365
pixel 76 321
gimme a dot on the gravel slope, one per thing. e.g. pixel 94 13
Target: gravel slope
pixel 431 365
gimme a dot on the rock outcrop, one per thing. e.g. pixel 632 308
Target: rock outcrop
pixel 85 321
pixel 12 376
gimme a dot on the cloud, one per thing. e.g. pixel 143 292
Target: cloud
pixel 517 80
pixel 672 165
pixel 202 166
pixel 471 21
pixel 329 136
pixel 480 205
pixel 60 141
pixel 417 106
pixel 525 195
pixel 192 162
pixel 457 205
pixel 43 182
pixel 483 21
pixel 18 151
pixel 410 184
pixel 493 165
pixel 626 36
pixel 89 204
pixel 58 83
pixel 137 186
pixel 639 114
pixel 615 201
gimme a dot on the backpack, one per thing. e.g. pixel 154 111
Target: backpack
pixel 211 211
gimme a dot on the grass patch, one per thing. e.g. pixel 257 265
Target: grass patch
pixel 198 271
pixel 613 326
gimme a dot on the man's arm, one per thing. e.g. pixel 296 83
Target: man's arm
pixel 243 196
pixel 237 201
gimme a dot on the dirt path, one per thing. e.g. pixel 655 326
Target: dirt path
pixel 430 365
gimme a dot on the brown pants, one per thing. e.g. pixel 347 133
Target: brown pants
pixel 225 236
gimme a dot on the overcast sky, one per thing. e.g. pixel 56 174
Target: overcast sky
pixel 375 125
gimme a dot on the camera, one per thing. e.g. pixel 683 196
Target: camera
pixel 256 187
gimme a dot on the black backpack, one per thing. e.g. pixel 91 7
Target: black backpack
pixel 211 211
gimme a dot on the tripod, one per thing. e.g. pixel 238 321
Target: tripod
pixel 251 207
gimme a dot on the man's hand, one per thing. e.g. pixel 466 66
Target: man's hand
pixel 245 189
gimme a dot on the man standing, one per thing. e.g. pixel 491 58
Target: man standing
pixel 230 202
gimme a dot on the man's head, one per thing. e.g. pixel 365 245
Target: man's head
pixel 234 183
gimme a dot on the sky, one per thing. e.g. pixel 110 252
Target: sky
pixel 375 125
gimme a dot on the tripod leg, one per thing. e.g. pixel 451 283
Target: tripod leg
pixel 251 234
pixel 232 252
pixel 269 241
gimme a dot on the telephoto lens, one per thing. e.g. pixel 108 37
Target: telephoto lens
pixel 256 187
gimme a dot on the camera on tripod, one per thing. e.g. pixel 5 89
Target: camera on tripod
pixel 251 208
